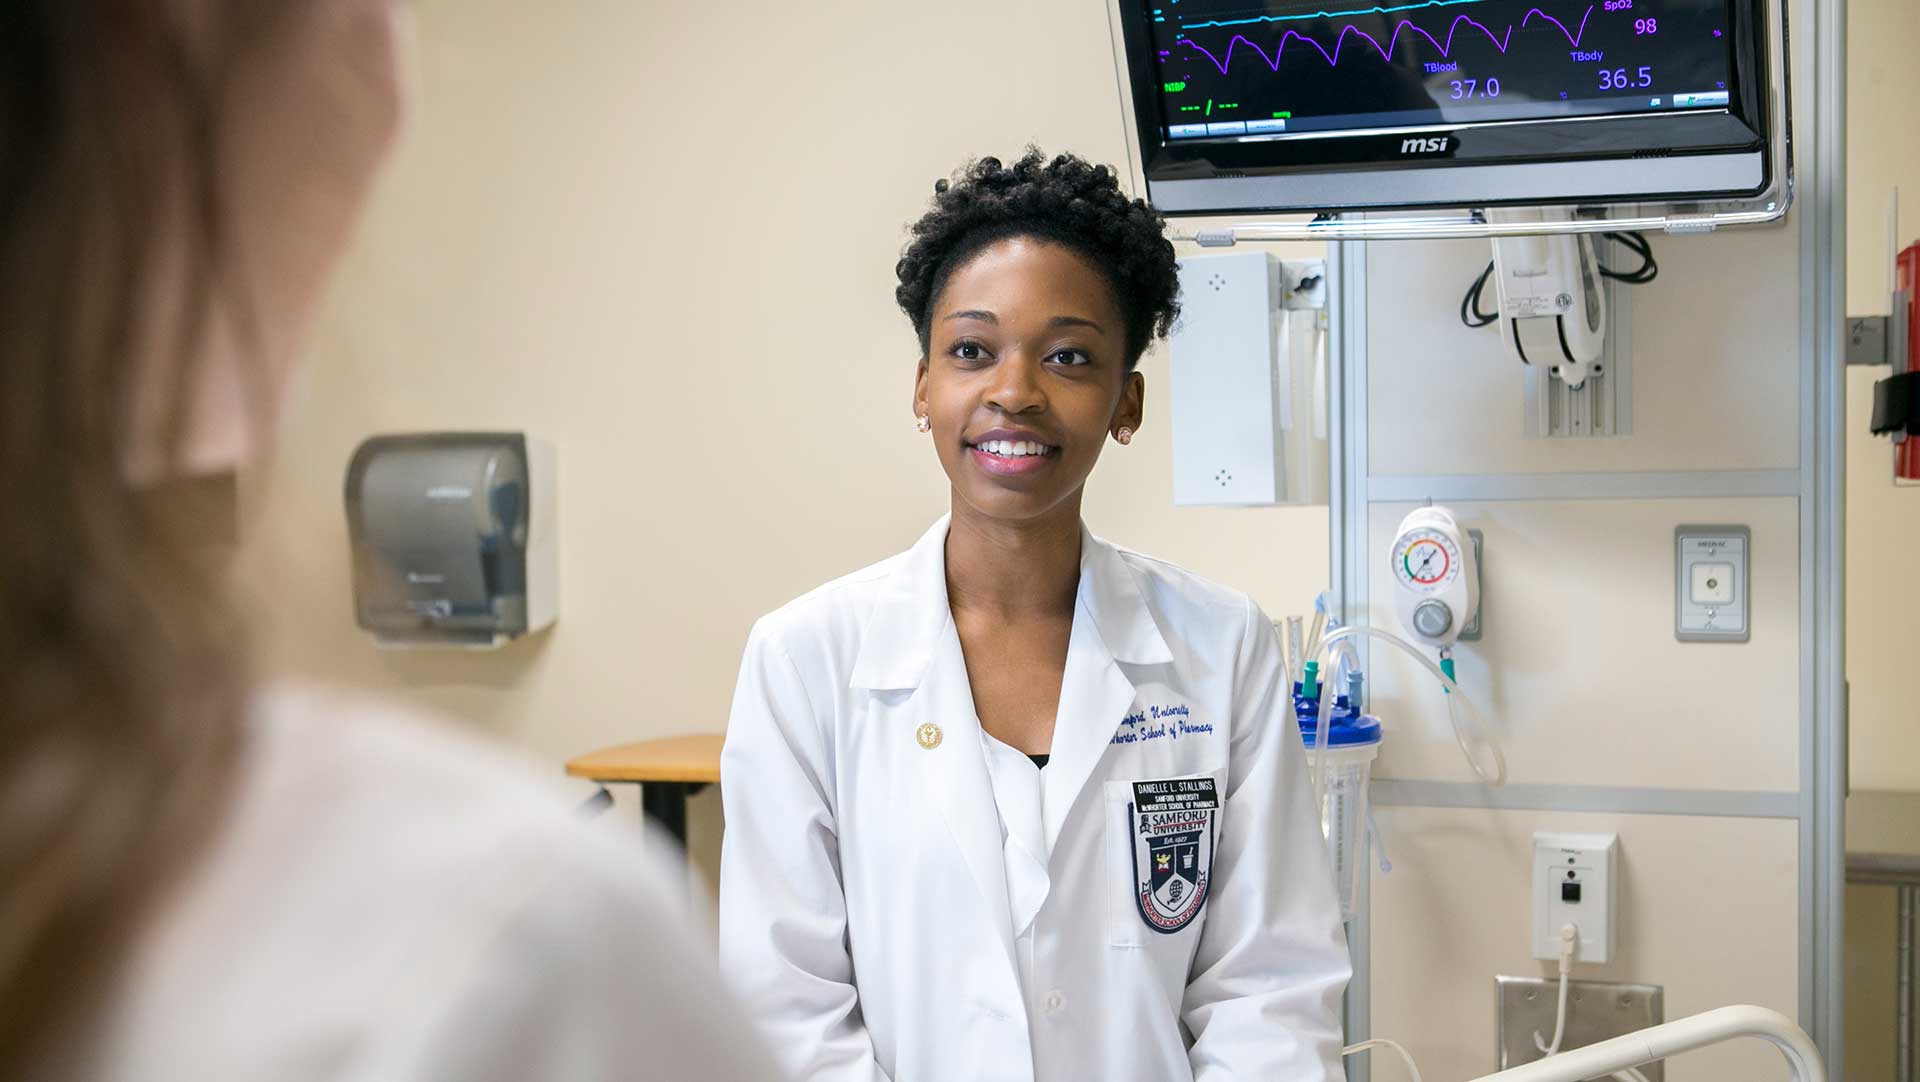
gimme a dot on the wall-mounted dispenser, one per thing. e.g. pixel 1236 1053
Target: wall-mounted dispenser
pixel 1247 371
pixel 453 537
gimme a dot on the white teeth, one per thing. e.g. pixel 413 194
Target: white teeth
pixel 1012 448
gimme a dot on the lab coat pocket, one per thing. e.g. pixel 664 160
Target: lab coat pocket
pixel 1160 837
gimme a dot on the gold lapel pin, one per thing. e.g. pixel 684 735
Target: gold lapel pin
pixel 928 735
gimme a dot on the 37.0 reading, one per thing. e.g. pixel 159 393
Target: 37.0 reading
pixel 1474 88
pixel 1622 79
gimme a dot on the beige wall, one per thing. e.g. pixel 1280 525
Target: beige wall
pixel 687 284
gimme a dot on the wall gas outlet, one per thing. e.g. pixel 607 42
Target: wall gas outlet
pixel 1574 882
pixel 1711 598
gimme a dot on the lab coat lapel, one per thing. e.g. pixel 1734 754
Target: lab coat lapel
pixel 958 773
pixel 910 644
pixel 1113 632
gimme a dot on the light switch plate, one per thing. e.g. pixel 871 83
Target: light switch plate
pixel 1712 600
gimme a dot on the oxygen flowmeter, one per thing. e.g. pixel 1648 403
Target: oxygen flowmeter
pixel 1433 564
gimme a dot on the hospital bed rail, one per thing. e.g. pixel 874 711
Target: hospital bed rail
pixel 1683 1035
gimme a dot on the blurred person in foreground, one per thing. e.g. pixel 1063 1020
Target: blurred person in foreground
pixel 201 878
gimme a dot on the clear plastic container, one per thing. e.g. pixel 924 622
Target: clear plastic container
pixel 1345 767
pixel 1343 817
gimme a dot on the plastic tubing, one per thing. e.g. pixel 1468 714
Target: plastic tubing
pixel 1296 654
pixel 1498 776
pixel 1341 649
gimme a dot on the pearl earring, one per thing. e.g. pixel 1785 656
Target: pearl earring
pixel 923 423
pixel 1124 435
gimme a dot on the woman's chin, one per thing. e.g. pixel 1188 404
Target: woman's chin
pixel 1014 505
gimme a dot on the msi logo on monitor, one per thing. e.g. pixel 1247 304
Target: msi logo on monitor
pixel 1436 145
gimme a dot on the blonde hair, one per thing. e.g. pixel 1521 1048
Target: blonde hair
pixel 120 689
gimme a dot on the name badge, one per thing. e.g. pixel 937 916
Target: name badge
pixel 1173 827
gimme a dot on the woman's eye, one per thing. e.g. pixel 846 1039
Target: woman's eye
pixel 1069 357
pixel 970 351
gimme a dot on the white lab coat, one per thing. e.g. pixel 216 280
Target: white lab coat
pixel 393 900
pixel 883 923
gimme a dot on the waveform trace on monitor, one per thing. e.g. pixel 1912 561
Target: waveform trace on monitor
pixel 1332 57
pixel 1298 16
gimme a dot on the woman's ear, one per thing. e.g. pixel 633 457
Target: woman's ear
pixel 1133 404
pixel 920 389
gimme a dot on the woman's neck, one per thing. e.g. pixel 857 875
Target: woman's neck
pixel 1014 570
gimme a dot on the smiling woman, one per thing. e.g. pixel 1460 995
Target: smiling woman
pixel 1028 376
pixel 955 847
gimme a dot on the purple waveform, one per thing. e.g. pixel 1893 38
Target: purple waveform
pixel 1500 42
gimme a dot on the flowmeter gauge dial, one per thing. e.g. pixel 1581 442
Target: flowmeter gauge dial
pixel 1439 584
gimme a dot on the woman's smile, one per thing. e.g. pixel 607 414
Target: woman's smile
pixel 1007 452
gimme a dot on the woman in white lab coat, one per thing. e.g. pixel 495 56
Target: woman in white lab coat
pixel 1018 803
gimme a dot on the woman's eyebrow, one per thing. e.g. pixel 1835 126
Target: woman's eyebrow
pixel 985 316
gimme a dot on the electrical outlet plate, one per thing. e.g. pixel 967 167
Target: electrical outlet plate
pixel 1574 882
pixel 1596 1011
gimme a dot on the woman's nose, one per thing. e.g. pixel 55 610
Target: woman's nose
pixel 1016 385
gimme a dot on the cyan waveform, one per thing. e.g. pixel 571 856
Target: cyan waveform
pixel 1500 41
pixel 1330 14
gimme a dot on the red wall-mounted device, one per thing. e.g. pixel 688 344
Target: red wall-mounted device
pixel 1896 399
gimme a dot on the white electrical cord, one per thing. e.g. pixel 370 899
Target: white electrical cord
pixel 1569 944
pixel 1413 1070
pixel 1631 1074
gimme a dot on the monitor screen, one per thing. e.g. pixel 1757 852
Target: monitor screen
pixel 1234 70
pixel 1330 105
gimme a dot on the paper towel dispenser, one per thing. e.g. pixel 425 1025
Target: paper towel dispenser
pixel 453 537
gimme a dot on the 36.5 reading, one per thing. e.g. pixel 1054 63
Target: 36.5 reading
pixel 1622 79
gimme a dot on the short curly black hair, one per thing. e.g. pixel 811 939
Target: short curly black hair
pixel 1066 201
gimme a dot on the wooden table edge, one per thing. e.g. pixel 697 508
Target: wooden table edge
pixel 618 763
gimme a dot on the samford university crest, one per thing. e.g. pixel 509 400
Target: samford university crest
pixel 1173 823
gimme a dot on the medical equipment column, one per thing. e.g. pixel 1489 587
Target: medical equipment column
pixel 1907 1041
